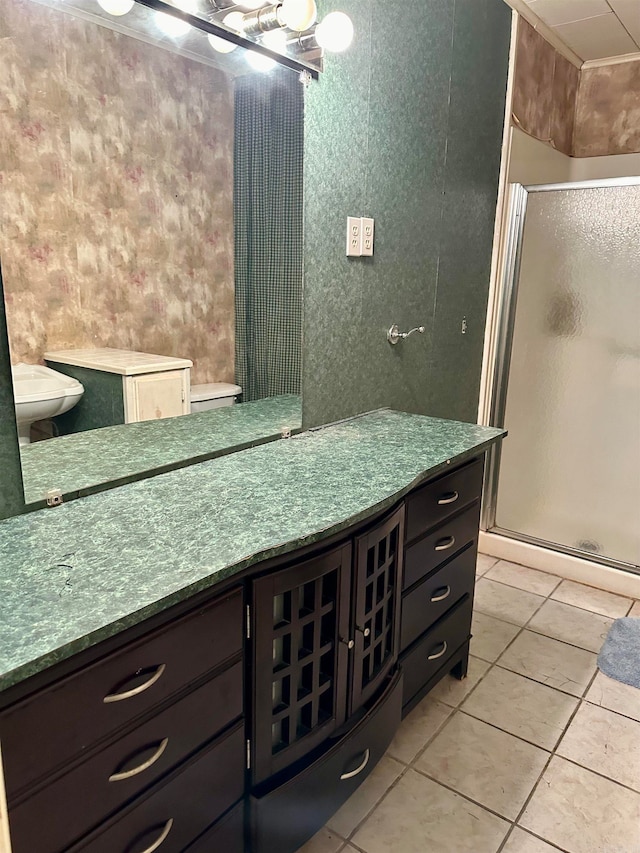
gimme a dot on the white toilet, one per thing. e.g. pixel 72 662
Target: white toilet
pixel 214 395
pixel 40 393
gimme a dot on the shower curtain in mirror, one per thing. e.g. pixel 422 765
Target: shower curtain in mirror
pixel 269 137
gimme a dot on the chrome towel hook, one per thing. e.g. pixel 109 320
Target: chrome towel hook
pixel 394 334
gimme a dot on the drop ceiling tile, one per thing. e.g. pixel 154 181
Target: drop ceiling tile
pixel 629 13
pixel 556 12
pixel 597 38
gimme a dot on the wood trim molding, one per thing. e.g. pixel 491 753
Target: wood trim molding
pixel 545 31
pixel 611 60
pixel 5 841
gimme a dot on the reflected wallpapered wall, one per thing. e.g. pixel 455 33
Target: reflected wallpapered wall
pixel 116 194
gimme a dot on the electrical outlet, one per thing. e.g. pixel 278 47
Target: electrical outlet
pixel 354 237
pixel 367 228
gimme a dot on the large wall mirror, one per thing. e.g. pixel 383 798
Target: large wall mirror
pixel 150 245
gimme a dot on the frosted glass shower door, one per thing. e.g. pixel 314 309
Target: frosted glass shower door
pixel 570 468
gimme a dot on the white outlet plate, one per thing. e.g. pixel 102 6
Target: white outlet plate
pixel 354 237
pixel 367 229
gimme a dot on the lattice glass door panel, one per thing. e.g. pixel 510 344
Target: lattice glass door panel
pixel 378 585
pixel 570 467
pixel 301 627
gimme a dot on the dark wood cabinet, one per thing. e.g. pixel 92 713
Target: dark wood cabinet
pixel 325 638
pixel 284 817
pixel 439 578
pixel 335 617
pixel 300 640
pixel 143 744
pixel 376 596
pixel 243 725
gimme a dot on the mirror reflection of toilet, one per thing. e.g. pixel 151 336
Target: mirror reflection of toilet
pixel 40 393
pixel 213 395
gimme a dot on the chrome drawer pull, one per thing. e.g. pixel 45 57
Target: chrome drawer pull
pixel 128 774
pixel 359 769
pixel 449 498
pixel 441 594
pixel 163 837
pixel 136 691
pixel 440 653
pixel 445 544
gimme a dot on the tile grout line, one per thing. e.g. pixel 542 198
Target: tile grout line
pixel 551 756
pixel 458 709
pixel 549 595
pixel 527 627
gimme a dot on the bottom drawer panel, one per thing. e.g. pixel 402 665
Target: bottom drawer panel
pixel 283 819
pixel 174 814
pixel 226 836
pixel 429 654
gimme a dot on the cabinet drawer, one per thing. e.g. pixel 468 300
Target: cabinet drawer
pixel 179 809
pixel 426 603
pixel 283 819
pixel 431 653
pixel 152 749
pixel 54 725
pixel 227 836
pixel 441 544
pixel 438 500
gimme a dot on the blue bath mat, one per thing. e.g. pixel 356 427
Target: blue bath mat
pixel 619 657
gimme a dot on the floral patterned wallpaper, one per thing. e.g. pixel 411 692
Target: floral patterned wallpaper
pixel 116 194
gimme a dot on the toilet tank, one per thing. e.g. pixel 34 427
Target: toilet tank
pixel 213 396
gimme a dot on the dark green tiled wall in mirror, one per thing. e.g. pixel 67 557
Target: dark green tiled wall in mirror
pixel 11 496
pixel 383 140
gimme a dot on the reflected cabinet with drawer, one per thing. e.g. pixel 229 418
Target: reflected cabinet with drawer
pixel 241 724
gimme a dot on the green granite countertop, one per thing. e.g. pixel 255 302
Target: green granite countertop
pixel 85 460
pixel 77 574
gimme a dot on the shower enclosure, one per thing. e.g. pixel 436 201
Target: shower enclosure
pixel 566 377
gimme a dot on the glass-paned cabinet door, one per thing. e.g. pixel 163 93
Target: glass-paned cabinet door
pixel 377 599
pixel 300 662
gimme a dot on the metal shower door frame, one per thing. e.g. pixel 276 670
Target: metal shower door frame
pixel 502 348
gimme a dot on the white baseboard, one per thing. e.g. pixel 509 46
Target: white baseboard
pixel 563 565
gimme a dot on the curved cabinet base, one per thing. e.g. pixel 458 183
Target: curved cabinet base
pixel 283 819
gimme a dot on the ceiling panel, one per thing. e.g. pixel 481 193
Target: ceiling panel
pixel 593 29
pixel 556 12
pixel 629 13
pixel 597 38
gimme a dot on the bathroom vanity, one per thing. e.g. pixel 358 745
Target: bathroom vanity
pixel 215 659
pixel 122 387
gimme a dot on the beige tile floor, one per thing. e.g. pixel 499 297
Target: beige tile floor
pixel 535 752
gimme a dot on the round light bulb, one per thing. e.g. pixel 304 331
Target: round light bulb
pixel 234 21
pixel 275 40
pixel 335 32
pixel 260 62
pixel 298 15
pixel 174 27
pixel 116 7
pixel 220 44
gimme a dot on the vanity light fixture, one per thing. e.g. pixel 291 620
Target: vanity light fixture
pixel 284 32
pixel 285 26
pixel 335 32
pixel 116 7
pixel 174 27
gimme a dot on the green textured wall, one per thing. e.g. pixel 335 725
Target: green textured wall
pixel 11 494
pixel 101 405
pixel 405 127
